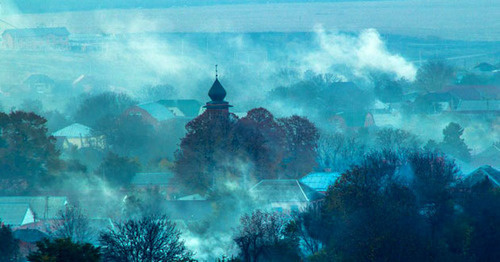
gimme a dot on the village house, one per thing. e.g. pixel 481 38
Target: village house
pixel 160 111
pixel 461 99
pixel 79 136
pixel 481 174
pixel 160 181
pixel 489 156
pixel 32 212
pixel 40 83
pixel 284 195
pixel 40 38
pixel 353 120
pixel 474 99
pixel 43 207
pixel 16 214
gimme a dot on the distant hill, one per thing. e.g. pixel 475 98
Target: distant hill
pixel 445 19
pixel 52 6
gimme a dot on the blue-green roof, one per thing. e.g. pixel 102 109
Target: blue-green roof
pixel 157 111
pixel 320 181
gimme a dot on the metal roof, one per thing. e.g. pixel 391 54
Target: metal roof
pixel 481 173
pixel 320 181
pixel 466 92
pixel 478 105
pixel 154 179
pixel 37 32
pixel 189 107
pixel 14 213
pixel 74 130
pixel 44 207
pixel 157 111
pixel 284 190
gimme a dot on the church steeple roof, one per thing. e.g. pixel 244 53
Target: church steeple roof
pixel 217 91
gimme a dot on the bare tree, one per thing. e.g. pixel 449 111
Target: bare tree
pixel 73 224
pixel 309 229
pixel 262 233
pixel 151 238
pixel 397 140
pixel 339 151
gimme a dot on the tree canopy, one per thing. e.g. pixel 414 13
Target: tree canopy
pixel 258 146
pixel 63 250
pixel 27 154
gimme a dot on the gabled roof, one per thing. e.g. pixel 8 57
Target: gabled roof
pixel 485 67
pixel 489 156
pixel 157 111
pixel 189 107
pixel 478 105
pixel 353 119
pixel 15 214
pixel 320 181
pixel 37 32
pixel 482 173
pixel 74 130
pixel 284 190
pixel 467 92
pixel 29 235
pixel 152 179
pixel 44 207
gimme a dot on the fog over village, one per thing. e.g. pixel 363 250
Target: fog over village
pixel 252 130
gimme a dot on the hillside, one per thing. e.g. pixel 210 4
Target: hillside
pixel 457 20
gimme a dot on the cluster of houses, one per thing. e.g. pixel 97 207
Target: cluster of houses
pixel 33 218
pixel 40 38
pixel 457 100
pixel 51 38
pixel 176 112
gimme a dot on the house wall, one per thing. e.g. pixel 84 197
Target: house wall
pixel 287 207
pixel 36 43
pixel 137 111
pixel 69 142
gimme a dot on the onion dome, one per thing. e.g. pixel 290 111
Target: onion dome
pixel 217 91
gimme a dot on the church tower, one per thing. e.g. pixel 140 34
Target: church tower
pixel 217 93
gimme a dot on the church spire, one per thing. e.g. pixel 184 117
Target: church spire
pixel 217 93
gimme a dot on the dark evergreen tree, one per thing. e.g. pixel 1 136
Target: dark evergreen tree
pixel 453 143
pixel 27 154
pixel 97 109
pixel 117 170
pixel 64 250
pixel 9 246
